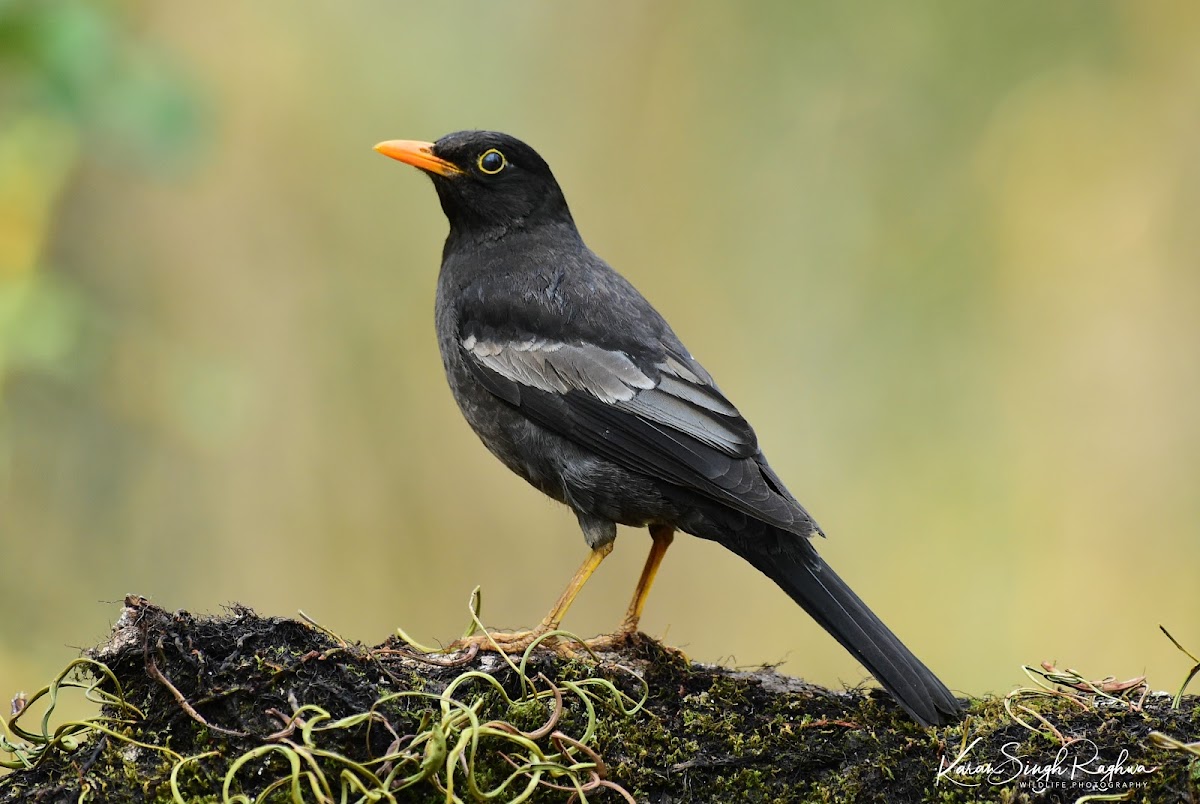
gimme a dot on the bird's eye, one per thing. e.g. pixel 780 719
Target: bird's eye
pixel 492 162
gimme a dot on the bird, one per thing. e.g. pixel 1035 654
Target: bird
pixel 577 384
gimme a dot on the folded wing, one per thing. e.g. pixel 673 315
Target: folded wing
pixel 665 419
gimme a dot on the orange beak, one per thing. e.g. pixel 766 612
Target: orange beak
pixel 419 155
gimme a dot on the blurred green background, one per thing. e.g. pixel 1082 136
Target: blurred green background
pixel 945 256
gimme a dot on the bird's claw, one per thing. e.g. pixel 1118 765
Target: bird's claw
pixel 496 642
pixel 619 638
pixel 516 642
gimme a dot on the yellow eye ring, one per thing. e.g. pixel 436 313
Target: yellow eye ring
pixel 492 162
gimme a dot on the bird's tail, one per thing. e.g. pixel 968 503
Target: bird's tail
pixel 808 580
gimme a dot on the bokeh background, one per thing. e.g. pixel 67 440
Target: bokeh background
pixel 945 256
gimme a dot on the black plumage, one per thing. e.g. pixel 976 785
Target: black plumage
pixel 573 380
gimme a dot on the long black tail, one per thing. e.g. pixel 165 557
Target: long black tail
pixel 811 582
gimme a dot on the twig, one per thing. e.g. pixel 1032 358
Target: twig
pixel 156 674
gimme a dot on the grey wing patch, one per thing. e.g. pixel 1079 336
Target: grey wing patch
pixel 675 366
pixel 686 400
pixel 559 367
pixel 682 399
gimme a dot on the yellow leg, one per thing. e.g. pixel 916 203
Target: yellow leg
pixel 551 621
pixel 515 642
pixel 662 535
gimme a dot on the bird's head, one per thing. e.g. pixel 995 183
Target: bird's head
pixel 485 180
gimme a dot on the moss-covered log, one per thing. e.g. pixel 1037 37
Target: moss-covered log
pixel 241 707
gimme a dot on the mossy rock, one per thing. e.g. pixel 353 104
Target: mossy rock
pixel 240 708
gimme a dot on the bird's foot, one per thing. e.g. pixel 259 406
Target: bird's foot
pixel 617 639
pixel 627 637
pixel 609 642
pixel 517 642
pixel 509 642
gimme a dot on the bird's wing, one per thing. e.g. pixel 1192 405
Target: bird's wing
pixel 665 419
